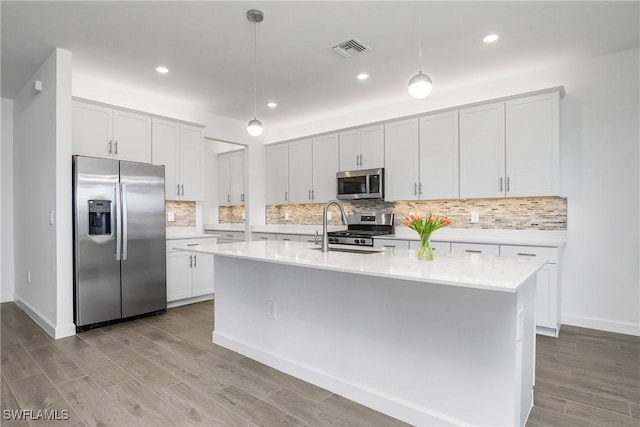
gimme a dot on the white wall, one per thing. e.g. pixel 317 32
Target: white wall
pixel 42 184
pixel 600 163
pixel 6 202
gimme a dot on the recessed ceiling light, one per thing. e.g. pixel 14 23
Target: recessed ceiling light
pixel 162 69
pixel 272 104
pixel 362 76
pixel 490 38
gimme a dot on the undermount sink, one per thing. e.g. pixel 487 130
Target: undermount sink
pixel 351 249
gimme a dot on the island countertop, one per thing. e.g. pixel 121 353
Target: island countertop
pixel 477 271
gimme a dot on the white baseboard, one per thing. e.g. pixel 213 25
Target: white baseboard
pixel 49 327
pixel 390 405
pixel 627 328
pixel 6 298
pixel 191 300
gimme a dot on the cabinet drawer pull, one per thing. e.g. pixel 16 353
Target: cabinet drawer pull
pixel 264 238
pixel 473 251
pixel 286 240
pixel 388 246
pixel 525 254
pixel 230 236
pixel 193 244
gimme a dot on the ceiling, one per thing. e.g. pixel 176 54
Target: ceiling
pixel 208 47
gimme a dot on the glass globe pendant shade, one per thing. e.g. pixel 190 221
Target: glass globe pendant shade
pixel 420 85
pixel 254 127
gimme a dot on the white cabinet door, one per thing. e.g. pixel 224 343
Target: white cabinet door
pixel 438 156
pixel 92 130
pixel 191 154
pixel 391 244
pixel 202 273
pixel 224 179
pixel 349 150
pixel 131 136
pixel 325 167
pixel 166 151
pixel 300 171
pixel 178 276
pixel 482 157
pixel 401 156
pixel 533 146
pixel 277 174
pixel 236 180
pixel 546 296
pixel 372 147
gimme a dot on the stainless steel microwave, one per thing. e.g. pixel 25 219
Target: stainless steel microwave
pixel 361 184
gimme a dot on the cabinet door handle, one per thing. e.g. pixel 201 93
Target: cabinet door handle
pixel 388 246
pixel 195 261
pixel 313 194
pixel 501 179
pixel 473 251
pixel 508 189
pixel 228 198
pixel 182 187
pixel 361 160
pixel 190 261
pixel 193 244
pixel 286 195
pixel 420 188
pixel 116 146
pixel 309 194
pixel 415 188
pixel 357 160
pixel 178 189
pixel 110 146
pixel 525 254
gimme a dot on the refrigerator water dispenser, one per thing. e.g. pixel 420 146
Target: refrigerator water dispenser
pixel 99 217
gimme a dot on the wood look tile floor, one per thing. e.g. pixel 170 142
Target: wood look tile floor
pixel 164 371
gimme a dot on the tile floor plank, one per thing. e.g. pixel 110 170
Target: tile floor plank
pixel 137 342
pixel 148 373
pixel 101 341
pixel 189 372
pixel 349 409
pixel 8 402
pixel 58 366
pixel 16 363
pixel 104 371
pixel 600 416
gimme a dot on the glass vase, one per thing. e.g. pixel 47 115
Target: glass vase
pixel 425 252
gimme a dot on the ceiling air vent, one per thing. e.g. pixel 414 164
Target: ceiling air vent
pixel 350 47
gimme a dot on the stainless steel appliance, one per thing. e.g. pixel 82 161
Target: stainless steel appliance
pixel 362 228
pixel 119 240
pixel 361 184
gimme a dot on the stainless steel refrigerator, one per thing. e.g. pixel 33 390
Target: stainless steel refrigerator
pixel 119 240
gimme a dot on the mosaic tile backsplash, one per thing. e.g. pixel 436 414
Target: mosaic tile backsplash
pixel 533 213
pixel 231 214
pixel 184 212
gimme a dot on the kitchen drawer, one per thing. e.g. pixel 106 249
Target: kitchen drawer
pixel 551 254
pixel 288 237
pixel 391 243
pixel 232 235
pixel 172 243
pixel 438 247
pixel 476 248
pixel 264 236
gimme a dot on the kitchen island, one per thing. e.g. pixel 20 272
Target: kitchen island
pixel 443 342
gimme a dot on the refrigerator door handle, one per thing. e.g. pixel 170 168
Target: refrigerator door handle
pixel 116 209
pixel 125 234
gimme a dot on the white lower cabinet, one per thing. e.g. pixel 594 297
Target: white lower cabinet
pixel 437 247
pixel 263 236
pixel 189 275
pixel 475 248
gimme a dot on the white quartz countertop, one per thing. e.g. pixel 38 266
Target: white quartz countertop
pixel 224 227
pixel 478 271
pixel 294 229
pixel 502 236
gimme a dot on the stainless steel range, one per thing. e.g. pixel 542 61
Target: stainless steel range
pixel 362 228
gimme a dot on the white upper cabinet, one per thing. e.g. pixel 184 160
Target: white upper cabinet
pixel 511 148
pixel 362 148
pixel 179 148
pixel 439 156
pixel 482 154
pixel 533 146
pixel 277 157
pixel 231 178
pixel 401 159
pixel 325 167
pixel 300 171
pixel 106 132
pixel 236 179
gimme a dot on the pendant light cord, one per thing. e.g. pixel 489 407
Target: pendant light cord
pixel 255 69
pixel 419 41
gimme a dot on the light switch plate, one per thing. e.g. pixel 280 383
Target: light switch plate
pixel 475 217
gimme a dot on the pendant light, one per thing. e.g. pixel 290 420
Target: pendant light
pixel 254 127
pixel 420 85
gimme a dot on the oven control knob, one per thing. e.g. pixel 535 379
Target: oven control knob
pixel 358 241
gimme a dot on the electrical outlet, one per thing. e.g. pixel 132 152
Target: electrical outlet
pixel 171 216
pixel 328 216
pixel 271 309
pixel 475 217
pixel 243 215
pixel 286 215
